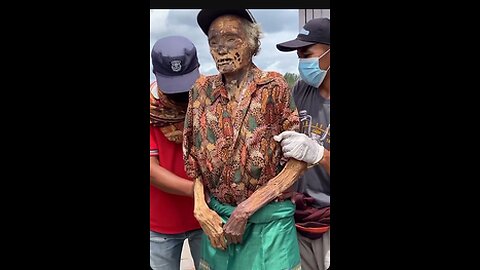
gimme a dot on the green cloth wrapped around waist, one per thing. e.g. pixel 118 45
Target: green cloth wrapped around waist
pixel 269 241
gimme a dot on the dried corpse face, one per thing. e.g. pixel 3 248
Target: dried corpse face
pixel 228 44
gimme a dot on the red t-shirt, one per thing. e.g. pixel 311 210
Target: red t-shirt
pixel 169 214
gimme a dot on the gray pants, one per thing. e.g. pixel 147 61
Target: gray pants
pixel 166 249
pixel 315 254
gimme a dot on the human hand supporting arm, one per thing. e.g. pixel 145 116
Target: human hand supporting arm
pixel 167 181
pixel 299 146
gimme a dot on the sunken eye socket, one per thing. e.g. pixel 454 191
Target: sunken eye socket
pixel 230 42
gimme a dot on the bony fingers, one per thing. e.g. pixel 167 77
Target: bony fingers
pixel 217 242
pixel 239 238
pixel 228 238
pixel 213 242
pixel 223 243
pixel 234 240
pixel 220 243
pixel 231 238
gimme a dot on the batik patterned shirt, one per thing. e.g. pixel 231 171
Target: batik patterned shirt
pixel 232 151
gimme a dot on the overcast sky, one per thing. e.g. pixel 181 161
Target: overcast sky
pixel 278 25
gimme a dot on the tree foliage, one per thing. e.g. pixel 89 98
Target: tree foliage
pixel 291 79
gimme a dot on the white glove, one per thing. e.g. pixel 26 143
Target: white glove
pixel 299 146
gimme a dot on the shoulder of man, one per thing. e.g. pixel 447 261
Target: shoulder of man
pixel 300 85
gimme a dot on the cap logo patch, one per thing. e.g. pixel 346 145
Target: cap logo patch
pixel 305 32
pixel 176 65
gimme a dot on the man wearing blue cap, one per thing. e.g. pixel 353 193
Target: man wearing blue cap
pixel 312 95
pixel 175 65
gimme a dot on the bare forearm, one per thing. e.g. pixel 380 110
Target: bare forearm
pixel 208 219
pixel 169 182
pixel 199 196
pixel 274 188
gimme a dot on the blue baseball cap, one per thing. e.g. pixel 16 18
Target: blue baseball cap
pixel 175 64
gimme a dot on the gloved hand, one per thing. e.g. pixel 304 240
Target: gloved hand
pixel 299 146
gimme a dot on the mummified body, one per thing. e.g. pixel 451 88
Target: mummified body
pixel 241 201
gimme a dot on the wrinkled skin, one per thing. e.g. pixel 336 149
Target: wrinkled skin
pixel 235 226
pixel 228 45
pixel 208 219
pixel 233 58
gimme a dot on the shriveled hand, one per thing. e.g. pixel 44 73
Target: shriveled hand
pixel 211 224
pixel 235 226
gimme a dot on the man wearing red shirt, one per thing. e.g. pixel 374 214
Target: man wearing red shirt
pixel 175 65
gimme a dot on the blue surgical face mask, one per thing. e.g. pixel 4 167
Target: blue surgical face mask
pixel 310 72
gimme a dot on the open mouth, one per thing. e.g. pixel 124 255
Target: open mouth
pixel 224 61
